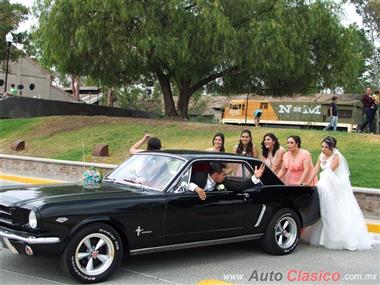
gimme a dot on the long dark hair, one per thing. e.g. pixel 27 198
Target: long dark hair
pixel 276 145
pixel 221 135
pixel 249 149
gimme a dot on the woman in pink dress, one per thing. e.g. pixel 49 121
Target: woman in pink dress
pixel 296 164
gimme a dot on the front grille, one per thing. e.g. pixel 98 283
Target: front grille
pixel 5 215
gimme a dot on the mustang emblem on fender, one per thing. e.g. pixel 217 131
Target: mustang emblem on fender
pixel 139 231
pixel 61 219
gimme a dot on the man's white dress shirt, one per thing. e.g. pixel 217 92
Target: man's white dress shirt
pixel 210 184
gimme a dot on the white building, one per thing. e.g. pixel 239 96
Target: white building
pixel 31 80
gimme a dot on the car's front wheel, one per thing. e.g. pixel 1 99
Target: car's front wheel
pixel 283 232
pixel 93 253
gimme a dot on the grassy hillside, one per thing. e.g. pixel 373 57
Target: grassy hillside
pixel 68 137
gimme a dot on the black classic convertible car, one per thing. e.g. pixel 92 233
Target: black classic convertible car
pixel 145 206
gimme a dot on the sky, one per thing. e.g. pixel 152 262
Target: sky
pixel 350 16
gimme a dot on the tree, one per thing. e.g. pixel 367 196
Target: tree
pixel 188 44
pixel 10 17
pixel 307 50
pixel 370 12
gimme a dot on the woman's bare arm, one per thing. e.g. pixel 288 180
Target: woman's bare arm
pixel 255 152
pixel 136 147
pixel 315 171
pixel 306 170
pixel 334 162
pixel 279 155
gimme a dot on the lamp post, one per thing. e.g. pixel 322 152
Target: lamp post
pixel 9 40
pixel 246 109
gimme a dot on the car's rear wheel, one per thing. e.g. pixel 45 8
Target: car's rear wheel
pixel 283 232
pixel 93 253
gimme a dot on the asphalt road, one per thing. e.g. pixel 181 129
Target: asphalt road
pixel 241 263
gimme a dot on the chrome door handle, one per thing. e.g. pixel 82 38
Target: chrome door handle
pixel 245 195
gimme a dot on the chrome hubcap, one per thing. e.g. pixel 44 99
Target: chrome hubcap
pixel 285 232
pixel 94 254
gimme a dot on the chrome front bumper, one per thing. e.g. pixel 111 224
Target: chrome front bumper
pixel 6 236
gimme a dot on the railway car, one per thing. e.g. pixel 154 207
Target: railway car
pixel 303 114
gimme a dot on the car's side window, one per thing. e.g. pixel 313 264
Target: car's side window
pixel 237 171
pixel 182 184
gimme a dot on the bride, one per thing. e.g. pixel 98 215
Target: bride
pixel 342 224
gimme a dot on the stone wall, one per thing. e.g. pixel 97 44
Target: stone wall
pixel 368 199
pixel 48 168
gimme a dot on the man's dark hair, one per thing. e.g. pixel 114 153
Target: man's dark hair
pixel 377 92
pixel 216 167
pixel 334 98
pixel 153 144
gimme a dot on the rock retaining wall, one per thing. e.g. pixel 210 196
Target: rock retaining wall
pixel 49 168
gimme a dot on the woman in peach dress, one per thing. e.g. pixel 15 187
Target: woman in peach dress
pixel 297 164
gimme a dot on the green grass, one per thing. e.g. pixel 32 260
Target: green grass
pixel 11 128
pixel 68 137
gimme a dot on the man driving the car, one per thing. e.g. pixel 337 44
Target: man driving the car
pixel 202 182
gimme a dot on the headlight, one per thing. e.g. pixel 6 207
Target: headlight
pixel 32 220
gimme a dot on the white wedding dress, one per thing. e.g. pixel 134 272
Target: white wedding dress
pixel 342 224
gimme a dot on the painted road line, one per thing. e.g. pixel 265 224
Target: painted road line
pixel 29 180
pixel 373 226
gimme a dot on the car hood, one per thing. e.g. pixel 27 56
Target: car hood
pixel 18 196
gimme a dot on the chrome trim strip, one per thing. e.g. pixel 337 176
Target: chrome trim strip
pixel 6 221
pixel 30 239
pixel 260 216
pixel 162 153
pixel 194 244
pixel 4 212
pixel 9 246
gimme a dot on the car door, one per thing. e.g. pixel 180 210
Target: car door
pixel 223 214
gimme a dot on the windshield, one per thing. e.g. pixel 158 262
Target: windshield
pixel 147 170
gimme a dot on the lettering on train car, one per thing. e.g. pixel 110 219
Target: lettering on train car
pixel 299 109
